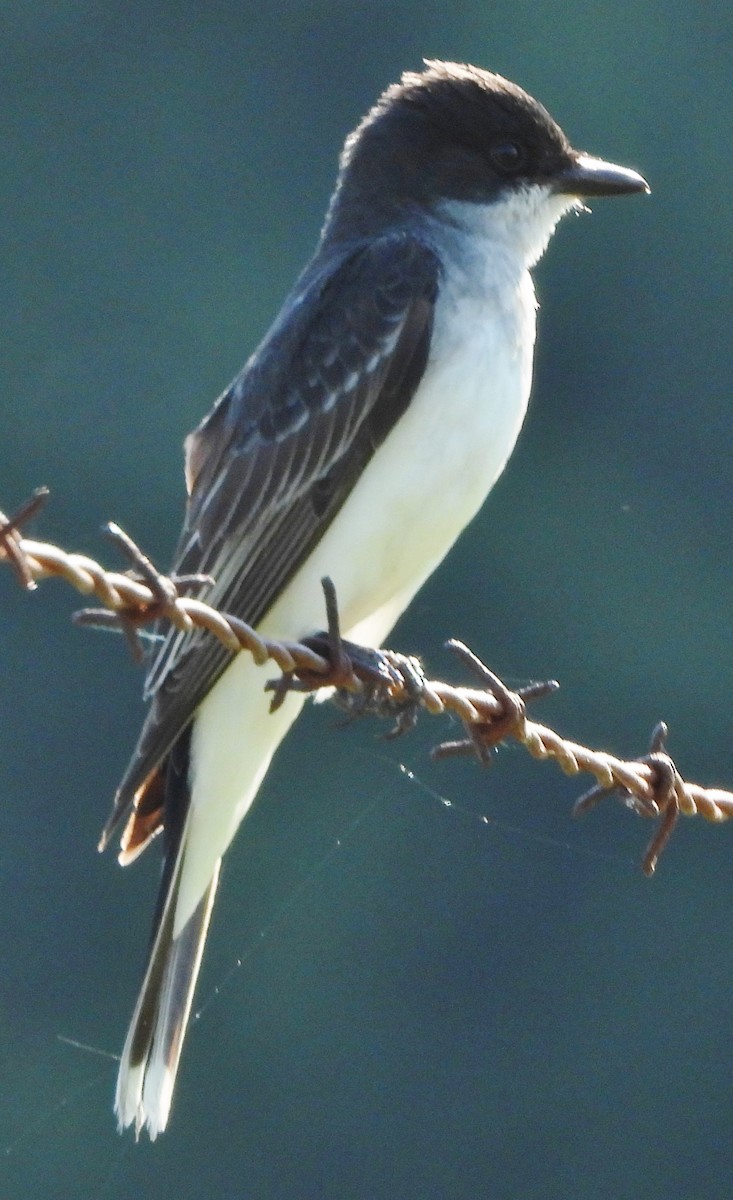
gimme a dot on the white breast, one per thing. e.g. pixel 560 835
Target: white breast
pixel 440 461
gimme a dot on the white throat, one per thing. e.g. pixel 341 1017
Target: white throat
pixel 519 226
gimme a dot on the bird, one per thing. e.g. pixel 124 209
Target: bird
pixel 398 371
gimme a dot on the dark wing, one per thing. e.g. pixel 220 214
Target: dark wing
pixel 274 461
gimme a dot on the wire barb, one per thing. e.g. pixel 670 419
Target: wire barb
pixel 483 736
pixel 11 543
pixel 381 683
pixel 661 805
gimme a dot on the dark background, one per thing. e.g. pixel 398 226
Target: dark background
pixel 399 999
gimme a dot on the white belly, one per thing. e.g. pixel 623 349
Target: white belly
pixel 410 504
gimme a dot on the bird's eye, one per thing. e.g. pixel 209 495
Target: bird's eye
pixel 508 156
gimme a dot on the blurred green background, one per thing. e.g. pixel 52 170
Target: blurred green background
pixel 399 998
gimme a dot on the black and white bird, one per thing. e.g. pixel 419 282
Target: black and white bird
pixel 398 371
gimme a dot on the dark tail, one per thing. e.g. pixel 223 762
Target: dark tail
pixel 154 1041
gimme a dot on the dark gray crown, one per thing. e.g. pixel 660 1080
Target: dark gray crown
pixel 452 131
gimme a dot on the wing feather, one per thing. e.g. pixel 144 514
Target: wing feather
pixel 273 462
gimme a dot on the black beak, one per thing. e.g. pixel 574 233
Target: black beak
pixel 587 176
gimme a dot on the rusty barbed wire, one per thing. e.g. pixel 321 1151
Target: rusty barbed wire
pixel 381 683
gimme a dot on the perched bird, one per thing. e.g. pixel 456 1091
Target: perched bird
pixel 398 371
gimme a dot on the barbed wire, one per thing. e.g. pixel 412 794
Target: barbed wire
pixel 382 683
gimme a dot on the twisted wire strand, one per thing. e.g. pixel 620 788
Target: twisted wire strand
pixel 651 785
